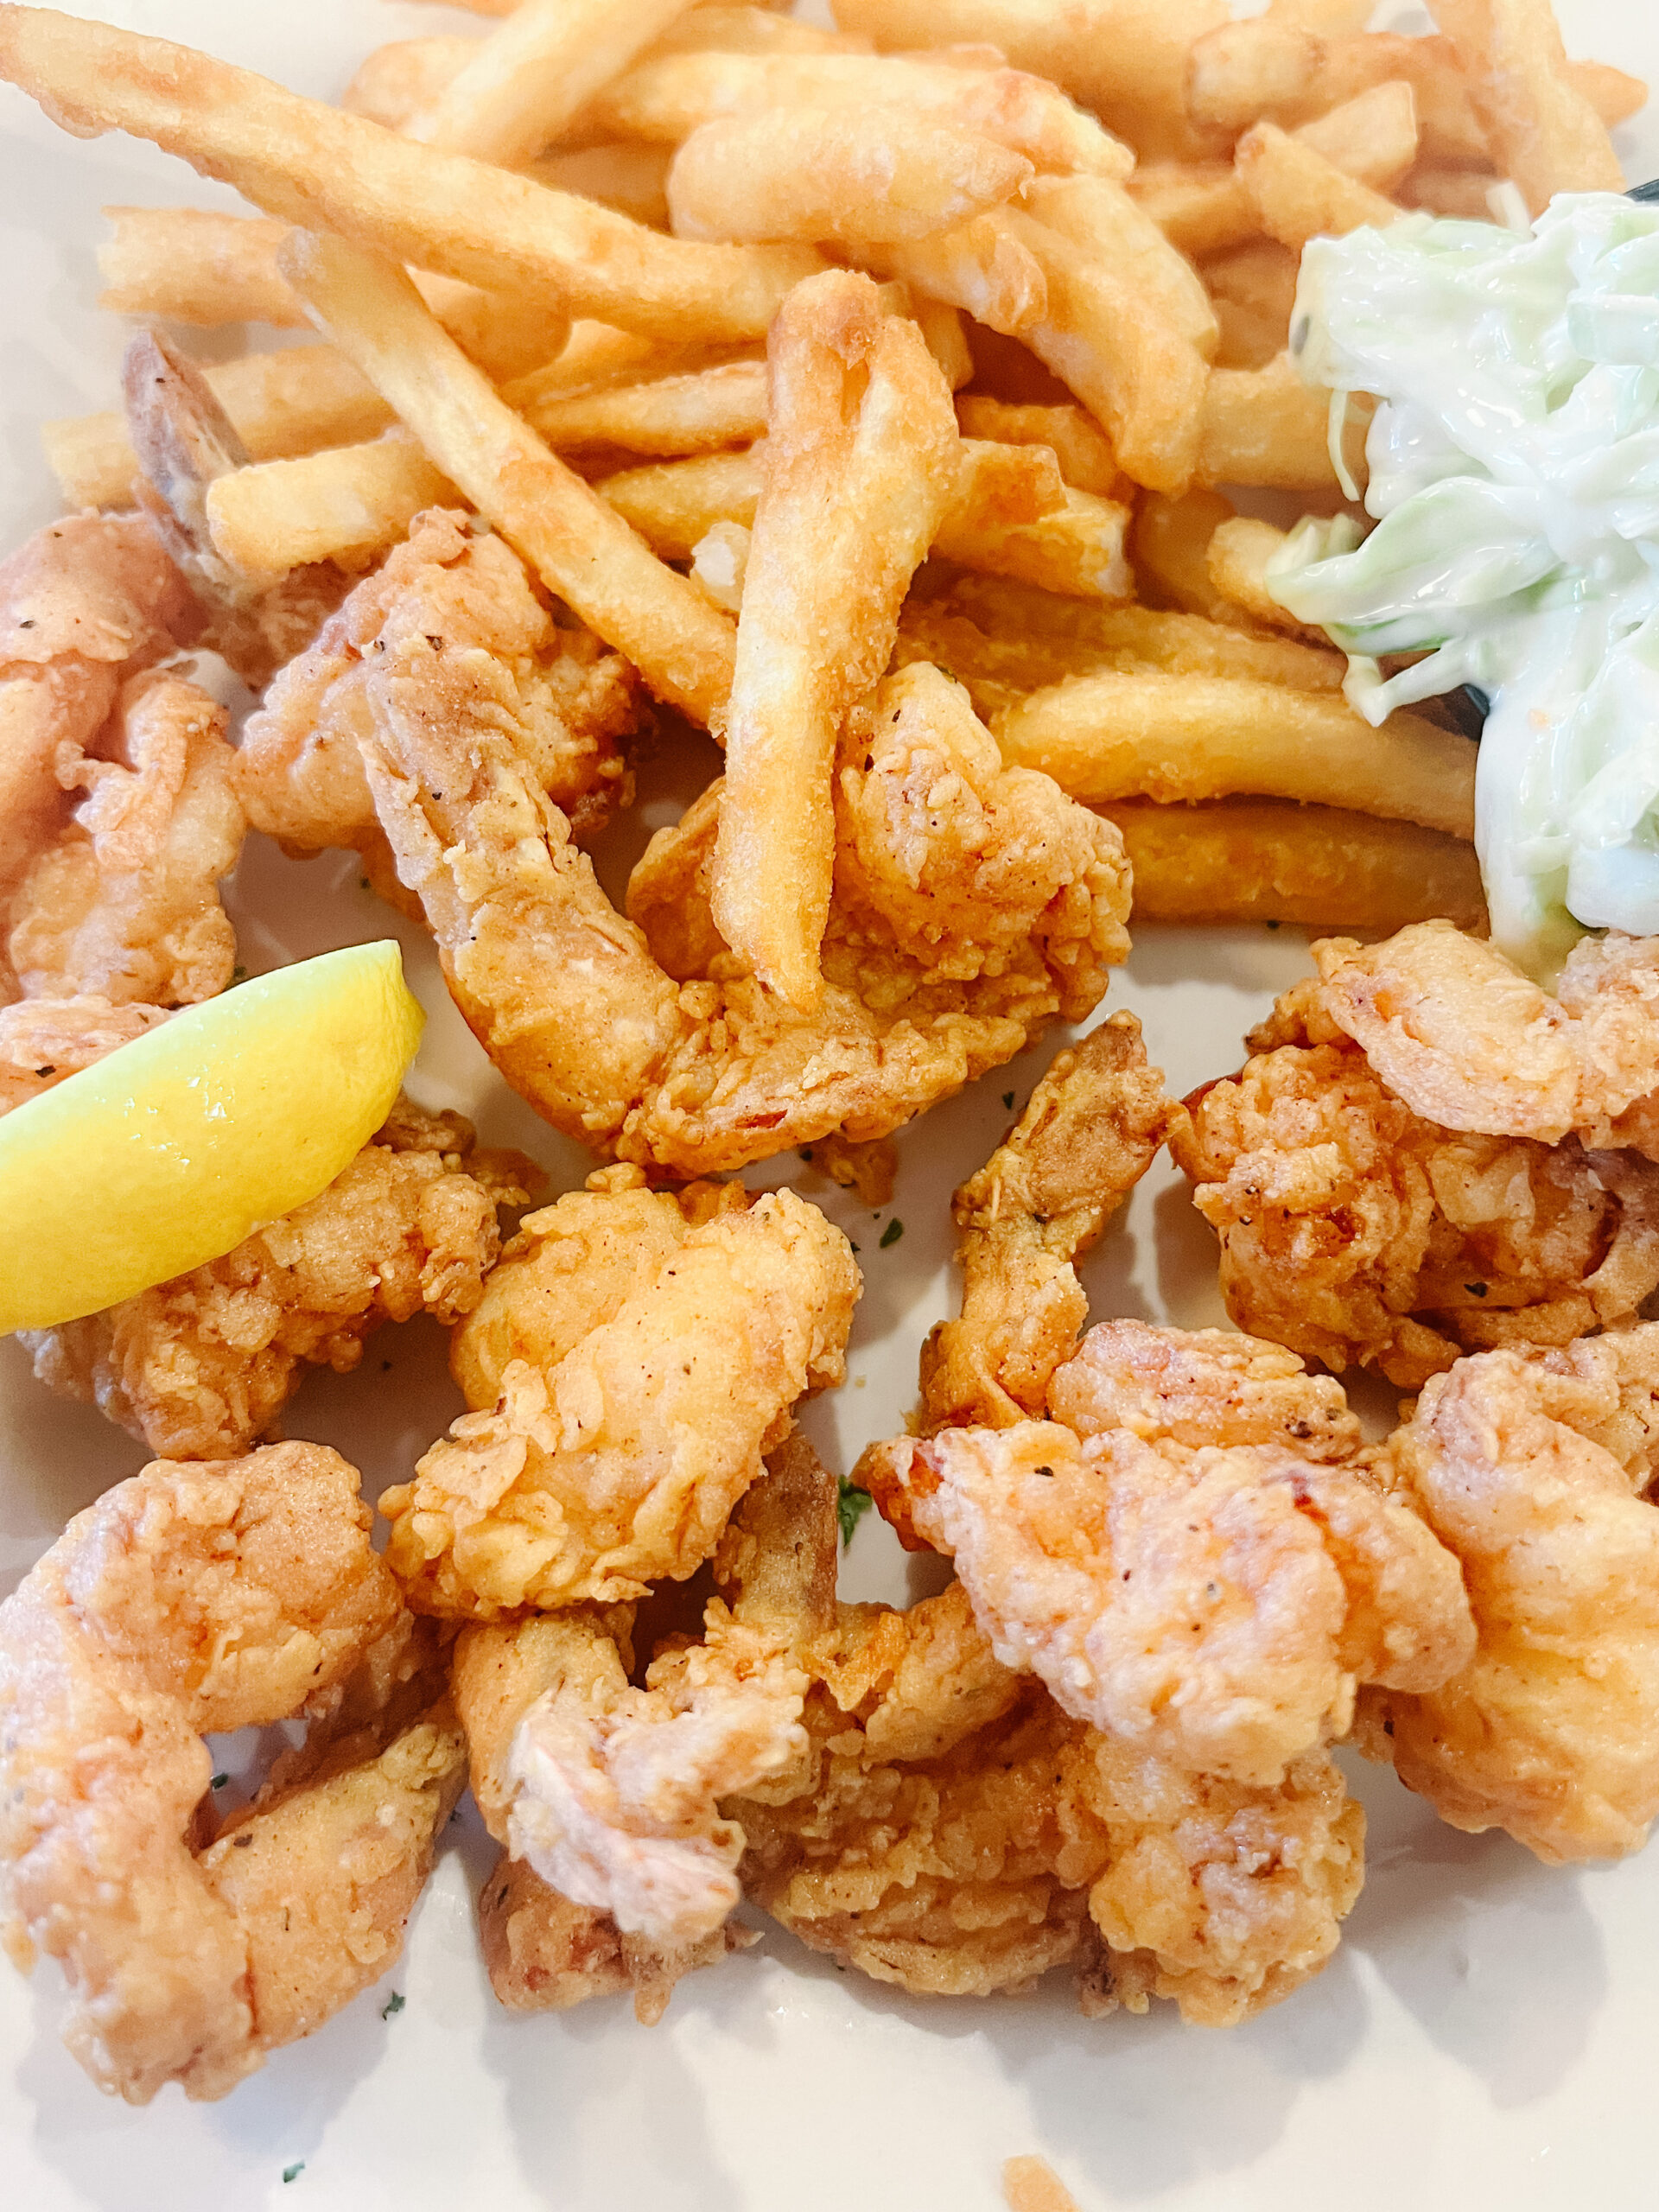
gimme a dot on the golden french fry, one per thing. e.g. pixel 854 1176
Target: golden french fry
pixel 631 179
pixel 945 340
pixel 720 562
pixel 860 460
pixel 1078 444
pixel 1139 735
pixel 873 174
pixel 1272 860
pixel 1371 137
pixel 1076 549
pixel 1238 559
pixel 294 401
pixel 1253 289
pixel 597 354
pixel 1171 548
pixel 978 266
pixel 1544 132
pixel 1200 206
pixel 1270 70
pixel 1614 94
pixel 310 163
pixel 1265 427
pixel 675 503
pixel 1119 353
pixel 346 505
pixel 1463 192
pixel 1299 195
pixel 525 81
pixel 579 546
pixel 398 81
pixel 1330 15
pixel 697 413
pixel 1125 58
pixel 1102 218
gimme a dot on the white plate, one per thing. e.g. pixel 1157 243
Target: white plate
pixel 1486 2038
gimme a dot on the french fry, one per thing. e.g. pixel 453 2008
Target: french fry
pixel 1239 551
pixel 398 81
pixel 523 83
pixel 945 340
pixel 1171 548
pixel 697 413
pixel 579 546
pixel 1200 206
pixel 859 459
pixel 1272 860
pixel 597 355
pixel 1100 217
pixel 720 562
pixel 1269 70
pixel 1125 58
pixel 1078 549
pixel 1462 193
pixel 979 267
pixel 631 179
pixel 1614 94
pixel 1176 739
pixel 1372 137
pixel 1078 444
pixel 1266 428
pixel 1299 195
pixel 347 505
pixel 294 401
pixel 1249 339
pixel 873 174
pixel 1118 352
pixel 1253 289
pixel 675 503
pixel 766 29
pixel 1544 132
pixel 192 265
pixel 1334 16
pixel 309 163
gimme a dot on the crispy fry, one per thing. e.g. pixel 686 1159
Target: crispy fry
pixel 347 503
pixel 282 404
pixel 400 80
pixel 522 84
pixel 1078 548
pixel 1465 193
pixel 579 546
pixel 1200 206
pixel 1266 427
pixel 1078 444
pixel 1273 70
pixel 709 408
pixel 1238 559
pixel 1272 860
pixel 858 472
pixel 1100 217
pixel 631 179
pixel 1299 195
pixel 1120 353
pixel 310 163
pixel 946 340
pixel 1544 132
pixel 675 505
pixel 1371 137
pixel 874 173
pixel 1171 553
pixel 1179 738
pixel 979 267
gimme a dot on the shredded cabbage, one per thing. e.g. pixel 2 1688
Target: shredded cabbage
pixel 1515 482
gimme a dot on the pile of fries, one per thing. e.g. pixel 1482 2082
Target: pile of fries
pixel 957 333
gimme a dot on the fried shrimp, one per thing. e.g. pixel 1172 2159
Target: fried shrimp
pixel 1360 1235
pixel 620 1414
pixel 201 1366
pixel 1534 1468
pixel 696 1067
pixel 43 1041
pixel 1043 1199
pixel 198 1598
pixel 1467 1041
pixel 567 703
pixel 1213 1601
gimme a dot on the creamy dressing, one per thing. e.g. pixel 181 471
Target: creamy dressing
pixel 1514 484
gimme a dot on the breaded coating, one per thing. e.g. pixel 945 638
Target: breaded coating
pixel 544 1951
pixel 200 1366
pixel 1534 1467
pixel 619 1461
pixel 1360 1235
pixel 1214 1604
pixel 693 1065
pixel 85 605
pixel 1194 1387
pixel 1467 1041
pixel 43 1041
pixel 191 1599
pixel 124 903
pixel 565 704
pixel 1042 1199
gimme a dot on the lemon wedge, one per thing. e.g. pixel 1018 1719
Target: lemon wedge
pixel 168 1151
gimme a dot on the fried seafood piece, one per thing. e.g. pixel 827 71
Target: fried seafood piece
pixel 1467 1041
pixel 43 1041
pixel 123 904
pixel 198 1598
pixel 1535 1468
pixel 87 603
pixel 974 903
pixel 1041 1201
pixel 564 704
pixel 1186 1554
pixel 612 1455
pixel 952 1831
pixel 1360 1235
pixel 201 1366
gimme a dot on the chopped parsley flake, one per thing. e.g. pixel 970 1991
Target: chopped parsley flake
pixel 892 1233
pixel 851 1505
pixel 393 2006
